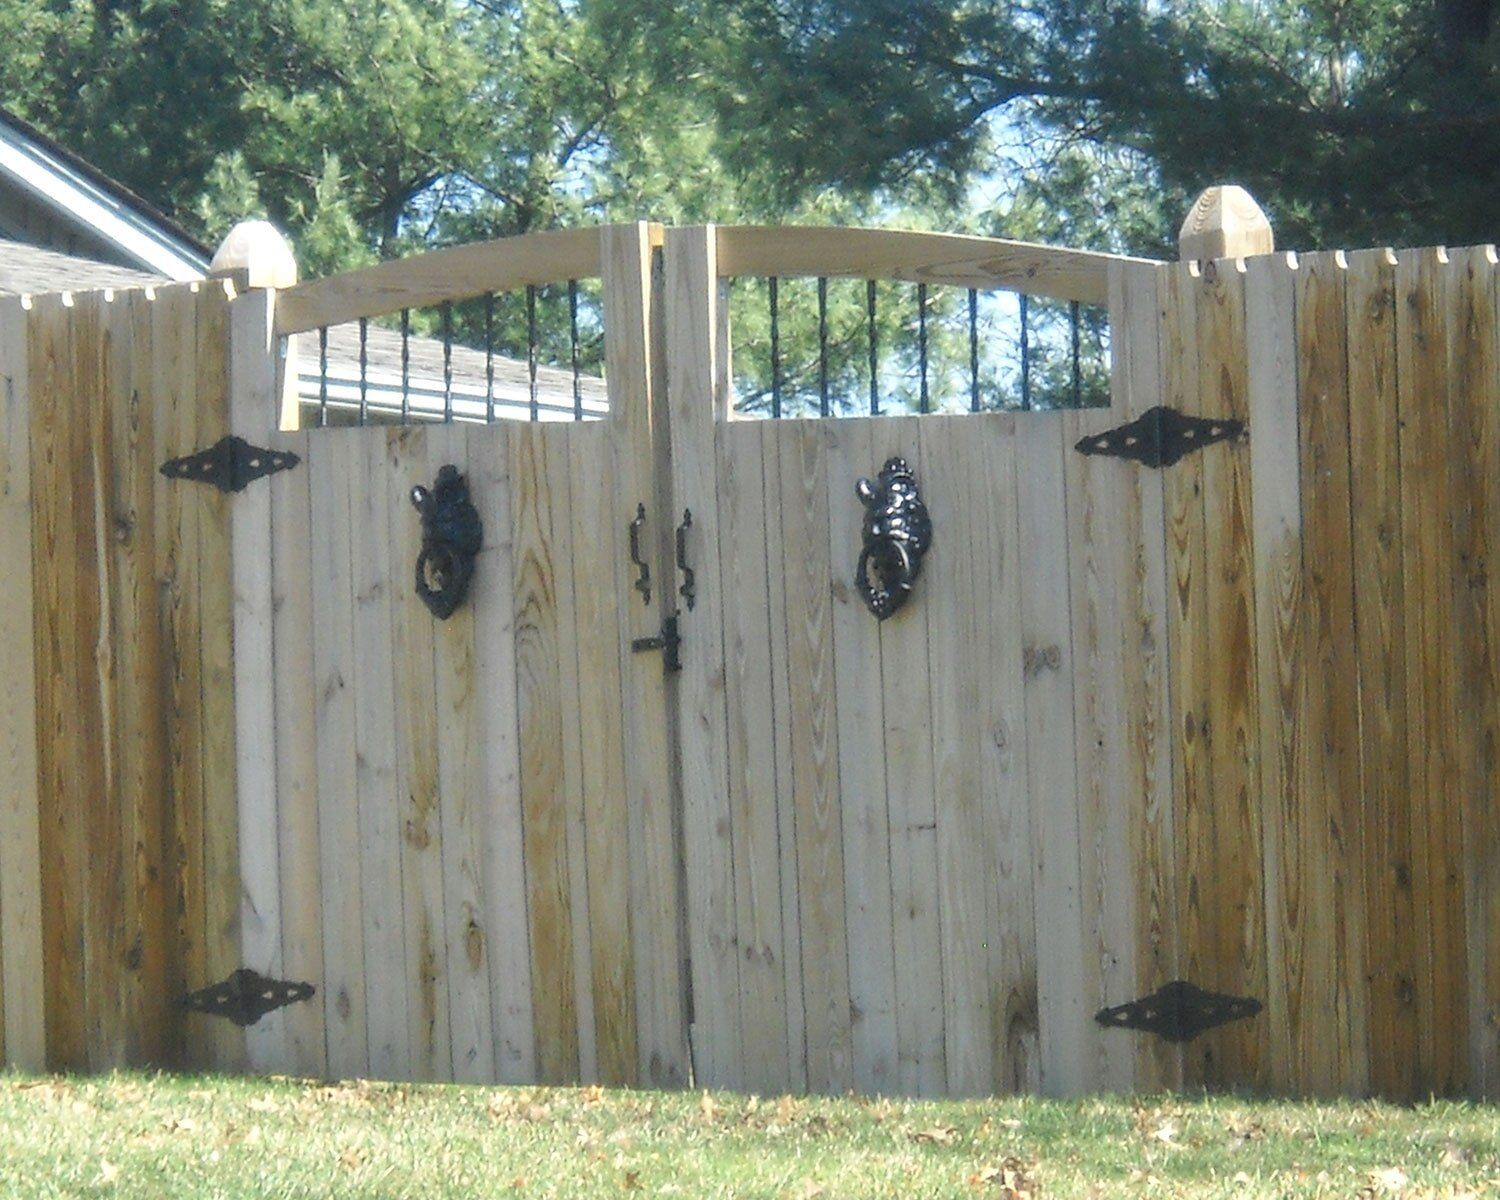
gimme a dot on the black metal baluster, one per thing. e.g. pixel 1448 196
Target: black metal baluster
pixel 775 352
pixel 973 350
pixel 406 366
pixel 323 376
pixel 364 396
pixel 447 314
pixel 874 356
pixel 923 405
pixel 536 406
pixel 489 357
pixel 1025 356
pixel 1077 366
pixel 822 346
pixel 573 341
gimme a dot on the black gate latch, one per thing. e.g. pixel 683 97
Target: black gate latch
pixel 668 642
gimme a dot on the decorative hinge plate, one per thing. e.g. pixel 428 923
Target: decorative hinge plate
pixel 1160 436
pixel 246 996
pixel 1179 1011
pixel 668 642
pixel 231 464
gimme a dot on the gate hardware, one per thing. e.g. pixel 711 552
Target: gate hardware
pixel 451 536
pixel 689 589
pixel 643 584
pixel 246 996
pixel 668 642
pixel 1178 1011
pixel 231 464
pixel 897 532
pixel 1160 436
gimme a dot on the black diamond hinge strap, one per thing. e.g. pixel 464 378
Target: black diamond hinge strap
pixel 1160 436
pixel 231 464
pixel 246 996
pixel 1178 1011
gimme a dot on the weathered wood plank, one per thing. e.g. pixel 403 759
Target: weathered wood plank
pixel 297 835
pixel 904 666
pixel 23 1014
pixel 752 716
pixel 535 513
pixel 812 720
pixel 252 408
pixel 866 817
pixel 417 772
pixel 692 295
pixel 471 1021
pixel 1331 1053
pixel 1292 933
pixel 492 593
pixel 1422 332
pixel 1065 1026
pixel 375 573
pixel 331 460
pixel 1375 481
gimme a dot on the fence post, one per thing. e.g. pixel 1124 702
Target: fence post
pixel 256 256
pixel 1224 222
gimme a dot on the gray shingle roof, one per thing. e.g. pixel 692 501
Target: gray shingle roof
pixel 30 270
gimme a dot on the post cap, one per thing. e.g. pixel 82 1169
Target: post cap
pixel 258 249
pixel 1224 222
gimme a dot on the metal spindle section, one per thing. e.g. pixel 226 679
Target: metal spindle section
pixel 406 366
pixel 874 348
pixel 822 346
pixel 447 314
pixel 573 342
pixel 1025 355
pixel 489 357
pixel 364 363
pixel 973 350
pixel 1077 363
pixel 923 405
pixel 775 351
pixel 323 376
pixel 536 407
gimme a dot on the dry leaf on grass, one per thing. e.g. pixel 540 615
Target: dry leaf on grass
pixel 707 1109
pixel 937 1135
pixel 1011 1180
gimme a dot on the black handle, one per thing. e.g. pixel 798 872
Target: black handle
pixel 643 584
pixel 689 587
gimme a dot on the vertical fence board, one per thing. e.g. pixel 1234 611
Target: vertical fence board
pixel 296 736
pixel 383 925
pixel 1064 1017
pixel 1422 324
pixel 1331 1054
pixel 1235 1053
pixel 252 401
pixel 1375 505
pixel 1473 441
pixel 764 970
pixel 536 512
pixel 1484 836
pixel 866 817
pixel 331 460
pixel 427 975
pixel 813 725
pixel 23 1008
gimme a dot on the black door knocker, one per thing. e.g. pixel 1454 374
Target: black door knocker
pixel 897 532
pixel 451 537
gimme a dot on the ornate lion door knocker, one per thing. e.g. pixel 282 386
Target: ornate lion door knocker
pixel 897 532
pixel 451 537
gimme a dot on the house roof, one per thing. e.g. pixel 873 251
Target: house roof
pixel 28 270
pixel 55 177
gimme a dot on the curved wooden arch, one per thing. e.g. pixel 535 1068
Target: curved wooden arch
pixel 953 260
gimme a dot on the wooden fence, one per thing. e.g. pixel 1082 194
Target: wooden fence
pixel 1229 721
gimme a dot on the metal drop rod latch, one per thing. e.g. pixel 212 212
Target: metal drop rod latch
pixel 689 589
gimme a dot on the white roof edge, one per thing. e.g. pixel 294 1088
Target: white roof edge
pixel 56 184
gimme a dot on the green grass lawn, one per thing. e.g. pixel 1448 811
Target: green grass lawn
pixel 131 1135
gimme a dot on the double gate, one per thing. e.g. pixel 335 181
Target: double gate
pixel 662 800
